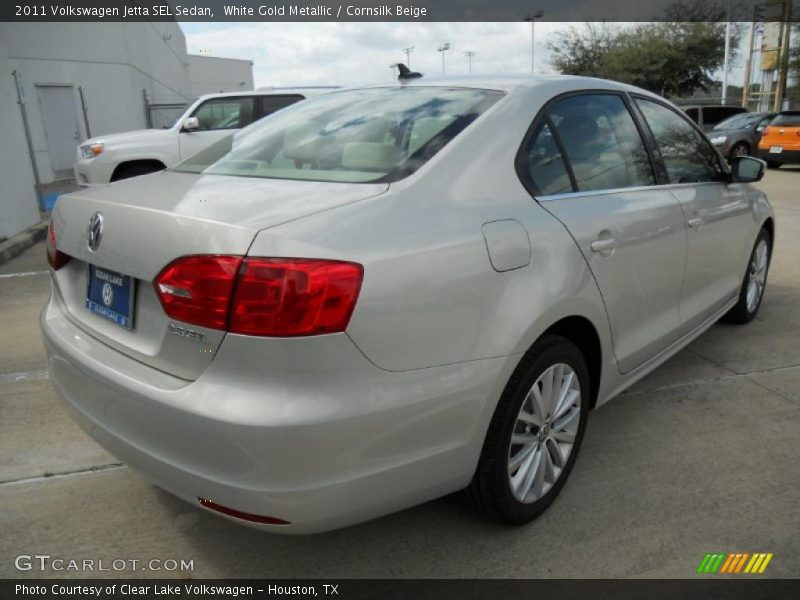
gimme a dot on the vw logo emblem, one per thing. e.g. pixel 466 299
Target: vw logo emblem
pixel 94 233
pixel 108 294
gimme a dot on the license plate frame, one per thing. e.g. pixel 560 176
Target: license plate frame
pixel 113 308
pixel 775 149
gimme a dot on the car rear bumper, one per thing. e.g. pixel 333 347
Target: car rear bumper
pixel 304 430
pixel 786 156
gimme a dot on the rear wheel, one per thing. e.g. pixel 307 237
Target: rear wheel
pixel 535 433
pixel 755 281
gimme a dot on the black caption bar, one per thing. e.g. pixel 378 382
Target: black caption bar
pixel 377 10
pixel 396 589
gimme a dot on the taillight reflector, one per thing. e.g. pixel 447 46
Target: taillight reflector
pixel 232 512
pixel 278 297
pixel 55 258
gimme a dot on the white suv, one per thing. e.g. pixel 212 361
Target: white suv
pixel 210 118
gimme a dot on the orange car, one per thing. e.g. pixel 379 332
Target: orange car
pixel 780 142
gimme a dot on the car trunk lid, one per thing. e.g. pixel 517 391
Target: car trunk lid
pixel 150 221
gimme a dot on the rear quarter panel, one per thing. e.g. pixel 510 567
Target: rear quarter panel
pixel 430 295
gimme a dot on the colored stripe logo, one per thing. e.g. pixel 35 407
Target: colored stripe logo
pixel 738 562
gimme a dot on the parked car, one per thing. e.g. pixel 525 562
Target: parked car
pixel 108 158
pixel 780 143
pixel 739 135
pixel 382 295
pixel 708 116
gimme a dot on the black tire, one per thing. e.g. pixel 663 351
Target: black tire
pixel 773 164
pixel 739 149
pixel 741 313
pixel 490 490
pixel 134 170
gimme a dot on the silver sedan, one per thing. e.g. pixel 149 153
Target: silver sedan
pixel 383 295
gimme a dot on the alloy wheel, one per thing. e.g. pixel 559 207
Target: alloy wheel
pixel 544 433
pixel 757 275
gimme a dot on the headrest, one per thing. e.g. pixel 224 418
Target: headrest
pixel 371 156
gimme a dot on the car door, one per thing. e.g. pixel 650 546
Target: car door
pixel 218 118
pixel 717 212
pixel 587 164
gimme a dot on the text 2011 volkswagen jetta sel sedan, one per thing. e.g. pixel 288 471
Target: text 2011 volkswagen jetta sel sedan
pixel 383 295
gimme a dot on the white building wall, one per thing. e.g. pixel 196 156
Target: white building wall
pixel 18 209
pixel 113 62
pixel 210 74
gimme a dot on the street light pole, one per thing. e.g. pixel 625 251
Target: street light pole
pixel 443 48
pixel 469 54
pixel 408 52
pixel 532 18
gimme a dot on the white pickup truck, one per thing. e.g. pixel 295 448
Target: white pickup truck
pixel 108 158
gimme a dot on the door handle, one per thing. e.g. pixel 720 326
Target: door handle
pixel 603 245
pixel 695 223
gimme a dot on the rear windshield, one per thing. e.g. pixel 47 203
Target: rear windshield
pixel 787 119
pixel 354 136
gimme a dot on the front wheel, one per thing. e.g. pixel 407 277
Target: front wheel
pixel 739 149
pixel 535 433
pixel 755 281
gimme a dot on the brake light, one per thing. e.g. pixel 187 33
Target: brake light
pixel 198 289
pixel 279 297
pixel 55 258
pixel 766 131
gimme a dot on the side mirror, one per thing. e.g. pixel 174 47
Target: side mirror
pixel 746 169
pixel 191 124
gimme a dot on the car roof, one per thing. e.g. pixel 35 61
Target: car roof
pixel 501 82
pixel 274 91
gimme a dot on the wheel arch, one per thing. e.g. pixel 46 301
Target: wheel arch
pixel 581 331
pixel 144 162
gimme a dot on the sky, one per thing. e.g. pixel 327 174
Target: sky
pixel 294 54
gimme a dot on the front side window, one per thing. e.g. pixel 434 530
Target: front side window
pixel 225 113
pixel 687 155
pixel 601 141
pixel 374 134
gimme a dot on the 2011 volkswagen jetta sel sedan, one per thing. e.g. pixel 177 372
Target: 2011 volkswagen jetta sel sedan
pixel 383 295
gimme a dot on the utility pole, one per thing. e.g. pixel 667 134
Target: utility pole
pixel 443 48
pixel 538 14
pixel 469 54
pixel 727 61
pixel 748 69
pixel 408 52
pixel 783 69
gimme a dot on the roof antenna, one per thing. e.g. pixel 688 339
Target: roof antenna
pixel 405 73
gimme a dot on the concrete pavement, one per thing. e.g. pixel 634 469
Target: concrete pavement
pixel 701 456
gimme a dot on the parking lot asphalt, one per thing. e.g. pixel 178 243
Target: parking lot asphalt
pixel 699 457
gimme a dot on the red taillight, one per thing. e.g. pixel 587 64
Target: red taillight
pixel 198 289
pixel 55 258
pixel 278 297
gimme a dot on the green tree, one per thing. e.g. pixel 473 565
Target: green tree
pixel 672 57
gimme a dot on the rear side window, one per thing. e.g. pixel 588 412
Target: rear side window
pixel 225 113
pixel 687 155
pixel 601 141
pixel 269 104
pixel 544 165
